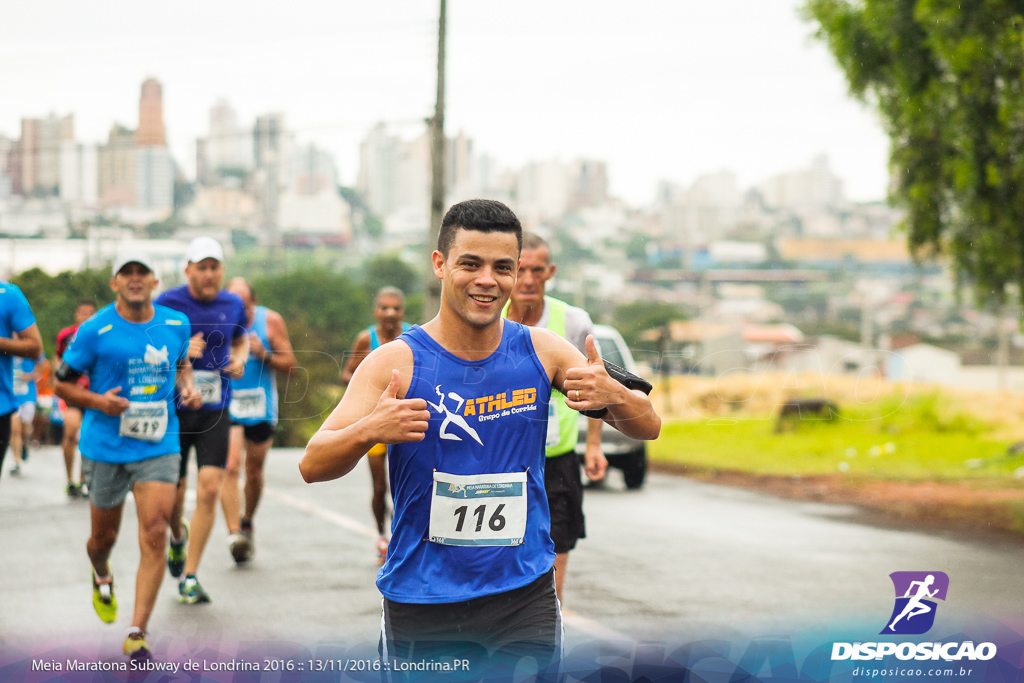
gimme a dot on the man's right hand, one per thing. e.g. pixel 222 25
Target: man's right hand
pixel 196 345
pixel 399 420
pixel 111 403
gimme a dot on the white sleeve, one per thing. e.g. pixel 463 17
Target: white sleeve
pixel 577 326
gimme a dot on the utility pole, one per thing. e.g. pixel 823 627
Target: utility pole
pixel 432 289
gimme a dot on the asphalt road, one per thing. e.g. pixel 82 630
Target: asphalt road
pixel 677 560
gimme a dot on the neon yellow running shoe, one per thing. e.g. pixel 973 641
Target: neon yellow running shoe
pixel 176 552
pixel 135 645
pixel 103 599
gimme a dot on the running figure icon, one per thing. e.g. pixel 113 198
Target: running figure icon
pixel 914 606
pixel 453 417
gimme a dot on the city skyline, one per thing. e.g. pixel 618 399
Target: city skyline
pixel 667 92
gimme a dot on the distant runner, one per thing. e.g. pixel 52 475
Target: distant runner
pixel 562 483
pixel 388 309
pixel 72 414
pixel 19 337
pixel 26 374
pixel 253 411
pixel 219 349
pixel 136 355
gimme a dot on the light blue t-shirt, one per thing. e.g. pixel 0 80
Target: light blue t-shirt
pixel 25 389
pixel 142 359
pixel 15 316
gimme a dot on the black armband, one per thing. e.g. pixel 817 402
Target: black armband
pixel 66 373
pixel 626 379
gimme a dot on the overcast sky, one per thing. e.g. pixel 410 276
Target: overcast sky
pixel 660 89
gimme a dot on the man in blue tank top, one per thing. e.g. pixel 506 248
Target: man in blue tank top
pixel 388 309
pixel 19 337
pixel 136 356
pixel 253 411
pixel 462 404
pixel 219 349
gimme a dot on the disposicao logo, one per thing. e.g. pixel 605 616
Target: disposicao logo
pixel 916 592
pixel 914 614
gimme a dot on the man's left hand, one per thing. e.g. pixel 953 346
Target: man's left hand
pixel 590 387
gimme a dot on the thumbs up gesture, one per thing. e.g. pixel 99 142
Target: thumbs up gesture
pixel 399 420
pixel 590 387
pixel 196 345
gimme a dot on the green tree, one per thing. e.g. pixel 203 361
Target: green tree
pixel 947 77
pixel 633 318
pixel 323 311
pixel 388 270
pixel 54 297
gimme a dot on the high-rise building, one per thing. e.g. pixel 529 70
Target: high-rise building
pixel 79 173
pixel 116 162
pixel 154 169
pixel 151 115
pixel 39 152
pixel 154 178
pixel 229 146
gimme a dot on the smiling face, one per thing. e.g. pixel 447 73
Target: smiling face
pixel 478 275
pixel 535 269
pixel 205 278
pixel 134 284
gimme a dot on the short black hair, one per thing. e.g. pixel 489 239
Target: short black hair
pixel 87 302
pixel 482 215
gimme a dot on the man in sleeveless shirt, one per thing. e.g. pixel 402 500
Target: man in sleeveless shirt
pixel 462 404
pixel 530 306
pixel 388 310
pixel 253 410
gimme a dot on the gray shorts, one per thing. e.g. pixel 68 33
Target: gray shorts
pixel 109 483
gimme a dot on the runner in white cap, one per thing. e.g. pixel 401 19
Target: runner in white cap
pixel 136 355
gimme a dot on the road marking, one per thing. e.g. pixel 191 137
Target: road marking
pixel 577 621
pixel 323 513
pixel 591 627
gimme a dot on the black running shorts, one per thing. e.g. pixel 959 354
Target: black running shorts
pixel 259 432
pixel 564 489
pixel 5 436
pixel 522 622
pixel 209 431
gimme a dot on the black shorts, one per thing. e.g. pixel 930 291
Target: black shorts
pixel 5 436
pixel 522 622
pixel 259 432
pixel 209 431
pixel 564 489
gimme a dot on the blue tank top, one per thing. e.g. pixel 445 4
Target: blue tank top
pixel 254 397
pixel 375 339
pixel 486 417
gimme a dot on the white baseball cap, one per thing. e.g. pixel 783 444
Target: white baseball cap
pixel 203 248
pixel 132 257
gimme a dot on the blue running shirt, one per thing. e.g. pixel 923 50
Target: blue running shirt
pixel 487 417
pixel 25 389
pixel 142 359
pixel 375 340
pixel 221 321
pixel 254 397
pixel 15 316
